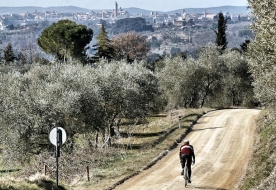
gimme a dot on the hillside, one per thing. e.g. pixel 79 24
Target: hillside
pixel 224 9
pixel 131 10
pixel 30 9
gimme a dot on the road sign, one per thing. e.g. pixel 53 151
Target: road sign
pixel 53 136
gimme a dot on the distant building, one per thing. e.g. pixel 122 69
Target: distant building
pixel 116 10
pixel 1 25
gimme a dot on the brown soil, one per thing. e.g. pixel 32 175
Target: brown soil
pixel 222 141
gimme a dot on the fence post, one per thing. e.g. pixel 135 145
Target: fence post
pixel 45 169
pixel 87 171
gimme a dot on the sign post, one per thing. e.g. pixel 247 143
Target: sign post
pixel 57 137
pixel 179 122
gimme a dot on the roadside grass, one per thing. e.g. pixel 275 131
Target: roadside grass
pixel 263 160
pixel 38 184
pixel 138 148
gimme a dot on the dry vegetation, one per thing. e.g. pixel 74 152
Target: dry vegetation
pixel 138 148
pixel 261 168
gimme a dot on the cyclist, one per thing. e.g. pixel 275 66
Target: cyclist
pixel 187 152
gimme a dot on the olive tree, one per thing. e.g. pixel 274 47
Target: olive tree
pixel 34 103
pixel 237 79
pixel 262 51
pixel 126 92
pixel 209 71
pixel 189 82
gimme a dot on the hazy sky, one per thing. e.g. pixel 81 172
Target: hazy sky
pixel 155 5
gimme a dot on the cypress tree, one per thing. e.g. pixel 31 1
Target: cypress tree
pixel 221 40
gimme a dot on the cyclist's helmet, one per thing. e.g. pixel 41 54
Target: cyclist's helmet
pixel 186 141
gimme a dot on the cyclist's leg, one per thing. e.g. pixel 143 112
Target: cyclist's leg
pixel 183 161
pixel 189 164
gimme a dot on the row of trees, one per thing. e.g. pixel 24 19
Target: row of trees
pixel 214 79
pixel 82 99
pixel 27 55
pixel 95 100
pixel 66 40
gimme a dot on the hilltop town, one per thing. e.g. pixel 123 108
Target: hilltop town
pixel 33 19
pixel 173 32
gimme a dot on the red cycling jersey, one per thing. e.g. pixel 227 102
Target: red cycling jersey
pixel 186 149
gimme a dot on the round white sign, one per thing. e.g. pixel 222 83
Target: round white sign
pixel 53 135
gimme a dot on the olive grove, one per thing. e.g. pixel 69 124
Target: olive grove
pixel 80 99
pixel 213 80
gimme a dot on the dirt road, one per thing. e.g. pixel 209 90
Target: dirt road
pixel 222 141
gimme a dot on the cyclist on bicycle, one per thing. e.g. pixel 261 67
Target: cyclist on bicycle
pixel 187 152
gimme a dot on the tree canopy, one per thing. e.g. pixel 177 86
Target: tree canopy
pixel 262 51
pixel 65 39
pixel 102 47
pixel 130 46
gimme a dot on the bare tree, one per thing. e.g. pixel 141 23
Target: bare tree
pixel 30 51
pixel 130 46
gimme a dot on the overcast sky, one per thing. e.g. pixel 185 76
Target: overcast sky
pixel 154 5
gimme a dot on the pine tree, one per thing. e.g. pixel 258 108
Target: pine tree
pixel 8 54
pixel 244 45
pixel 22 58
pixel 221 40
pixel 66 39
pixel 103 48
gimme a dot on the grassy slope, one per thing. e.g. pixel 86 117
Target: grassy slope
pixel 261 168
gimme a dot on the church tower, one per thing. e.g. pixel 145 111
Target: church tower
pixel 116 10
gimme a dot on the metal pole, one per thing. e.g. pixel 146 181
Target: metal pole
pixel 57 159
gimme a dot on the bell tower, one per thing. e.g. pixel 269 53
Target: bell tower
pixel 116 10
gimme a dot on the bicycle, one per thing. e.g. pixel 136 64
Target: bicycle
pixel 186 175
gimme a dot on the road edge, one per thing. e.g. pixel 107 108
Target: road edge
pixel 164 153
